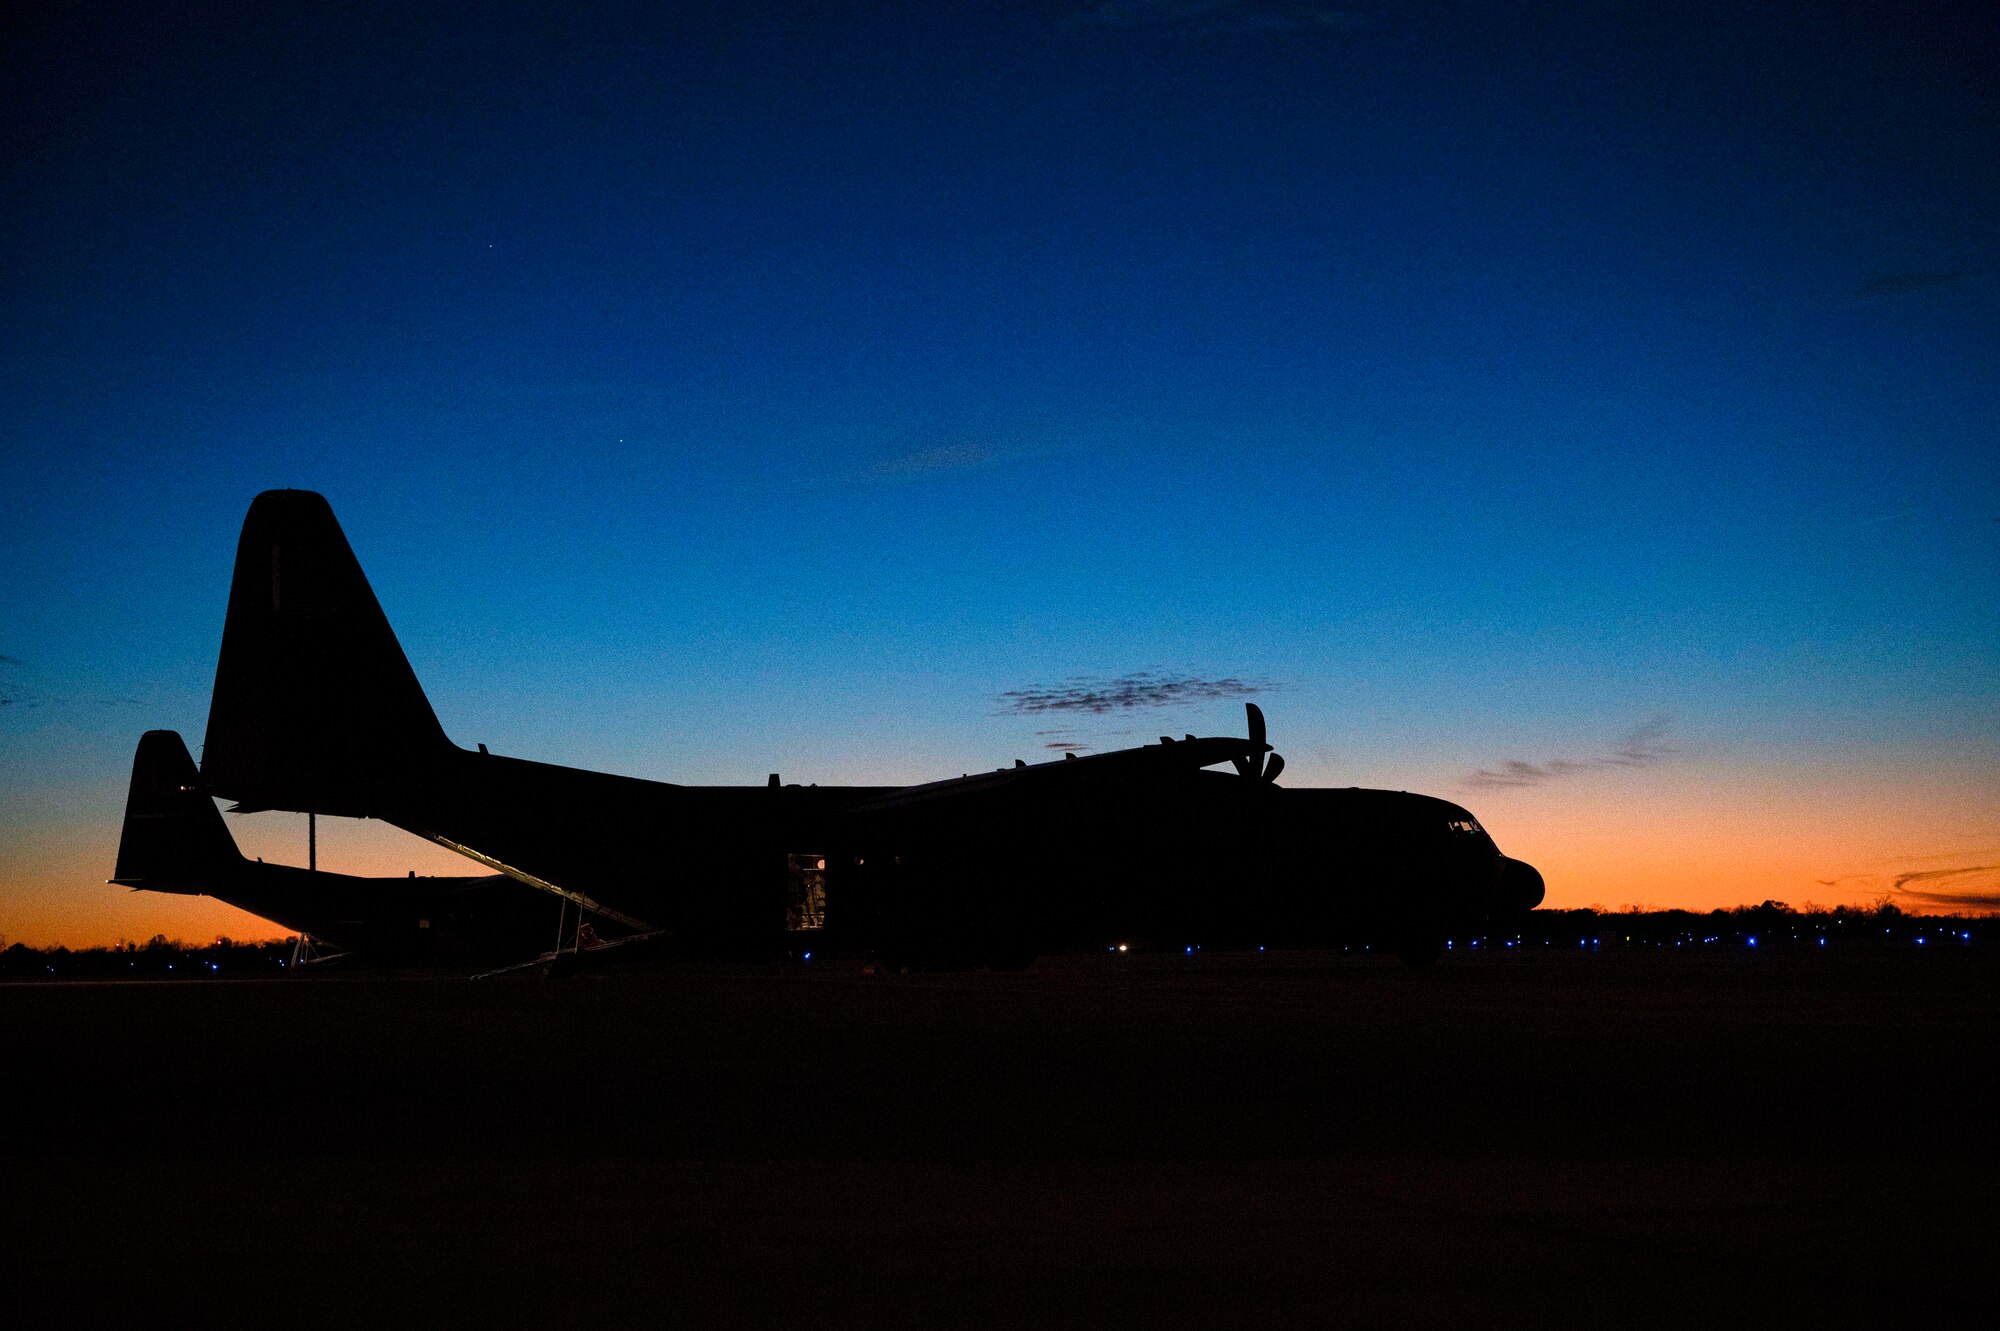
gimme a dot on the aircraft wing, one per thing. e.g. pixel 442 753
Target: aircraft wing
pixel 1070 775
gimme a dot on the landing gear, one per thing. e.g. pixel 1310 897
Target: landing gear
pixel 1418 938
pixel 1420 948
pixel 939 956
pixel 946 915
pixel 1010 954
pixel 957 945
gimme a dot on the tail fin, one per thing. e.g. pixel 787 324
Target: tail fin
pixel 174 839
pixel 314 700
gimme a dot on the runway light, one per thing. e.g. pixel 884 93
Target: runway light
pixel 1122 947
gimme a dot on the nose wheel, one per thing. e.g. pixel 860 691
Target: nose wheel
pixel 1422 948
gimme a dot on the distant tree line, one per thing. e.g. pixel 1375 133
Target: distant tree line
pixel 158 958
pixel 1769 924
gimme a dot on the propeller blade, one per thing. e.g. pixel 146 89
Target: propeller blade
pixel 1254 764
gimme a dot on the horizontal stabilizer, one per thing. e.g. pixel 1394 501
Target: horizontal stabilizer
pixel 174 839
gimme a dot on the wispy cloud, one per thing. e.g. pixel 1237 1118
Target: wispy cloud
pixel 1900 863
pixel 1205 18
pixel 46 701
pixel 1951 886
pixel 31 700
pixel 929 461
pixel 1909 284
pixel 1644 746
pixel 971 450
pixel 1971 886
pixel 1096 697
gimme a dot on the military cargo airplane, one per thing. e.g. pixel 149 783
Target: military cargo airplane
pixel 316 709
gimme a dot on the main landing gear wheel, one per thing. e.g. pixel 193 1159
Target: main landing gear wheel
pixel 1420 949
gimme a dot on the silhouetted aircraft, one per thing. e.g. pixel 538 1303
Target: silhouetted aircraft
pixel 316 709
pixel 174 840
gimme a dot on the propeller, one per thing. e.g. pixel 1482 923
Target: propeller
pixel 1261 767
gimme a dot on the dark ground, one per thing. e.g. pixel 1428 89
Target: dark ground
pixel 1658 1138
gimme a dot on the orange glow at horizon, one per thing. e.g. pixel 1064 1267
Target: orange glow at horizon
pixel 1696 839
pixel 54 891
pixel 1717 840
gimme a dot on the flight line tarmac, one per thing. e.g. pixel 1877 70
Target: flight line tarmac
pixel 1629 1138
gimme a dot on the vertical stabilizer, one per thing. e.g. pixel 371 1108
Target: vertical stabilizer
pixel 174 839
pixel 315 705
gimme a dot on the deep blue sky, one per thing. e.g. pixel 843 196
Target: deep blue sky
pixel 714 393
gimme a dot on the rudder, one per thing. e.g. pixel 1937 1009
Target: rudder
pixel 314 700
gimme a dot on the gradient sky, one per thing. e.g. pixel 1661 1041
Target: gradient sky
pixel 1587 415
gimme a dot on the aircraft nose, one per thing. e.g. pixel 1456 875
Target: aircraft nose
pixel 1521 884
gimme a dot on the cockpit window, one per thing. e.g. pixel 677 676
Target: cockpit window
pixel 1465 825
